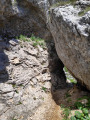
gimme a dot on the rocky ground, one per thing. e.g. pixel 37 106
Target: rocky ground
pixel 25 81
pixel 30 77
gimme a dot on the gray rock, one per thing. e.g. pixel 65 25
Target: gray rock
pixel 24 76
pixel 13 42
pixel 24 20
pixel 21 94
pixel 5 88
pixel 72 41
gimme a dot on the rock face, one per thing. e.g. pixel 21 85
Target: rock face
pixel 23 79
pixel 17 17
pixel 71 34
pixel 68 25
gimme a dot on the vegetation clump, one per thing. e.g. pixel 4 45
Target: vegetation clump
pixel 62 3
pixel 69 77
pixel 35 40
pixel 80 109
pixel 81 13
pixel 81 112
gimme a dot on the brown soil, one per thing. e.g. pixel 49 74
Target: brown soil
pixel 48 111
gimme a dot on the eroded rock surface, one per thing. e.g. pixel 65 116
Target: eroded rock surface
pixel 24 70
pixel 72 39
pixel 25 80
pixel 22 17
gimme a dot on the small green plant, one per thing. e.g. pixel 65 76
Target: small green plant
pixel 19 103
pixel 44 89
pixel 83 115
pixel 82 112
pixel 37 41
pixel 13 85
pixel 81 13
pixel 66 113
pixel 67 95
pixel 62 106
pixel 78 105
pixel 69 100
pixel 62 3
pixel 21 85
pixel 35 44
pixel 24 38
pixel 65 69
pixel 16 91
pixel 72 80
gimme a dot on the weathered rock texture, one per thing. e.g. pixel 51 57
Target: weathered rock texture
pixel 23 78
pixel 71 34
pixel 70 31
pixel 22 17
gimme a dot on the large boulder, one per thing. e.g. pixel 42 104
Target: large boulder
pixel 71 32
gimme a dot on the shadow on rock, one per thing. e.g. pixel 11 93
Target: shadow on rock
pixel 4 61
pixel 62 92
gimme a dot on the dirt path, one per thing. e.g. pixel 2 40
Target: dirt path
pixel 48 110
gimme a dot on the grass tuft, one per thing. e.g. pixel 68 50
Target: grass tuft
pixel 36 40
pixel 69 76
pixel 81 112
pixel 62 3
pixel 44 89
pixel 81 13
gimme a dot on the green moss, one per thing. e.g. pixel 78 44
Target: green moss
pixel 81 13
pixel 84 11
pixel 13 85
pixel 62 3
pixel 44 89
pixel 87 9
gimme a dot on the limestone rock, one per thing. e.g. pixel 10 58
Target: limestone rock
pixel 17 17
pixel 72 40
